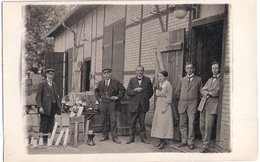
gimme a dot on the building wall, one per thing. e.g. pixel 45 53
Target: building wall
pixel 140 40
pixel 225 134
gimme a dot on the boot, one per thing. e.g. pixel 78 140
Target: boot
pixel 130 140
pixel 144 138
pixel 158 143
pixel 163 144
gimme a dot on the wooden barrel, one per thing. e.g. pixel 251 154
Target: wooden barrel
pixel 123 119
pixel 96 124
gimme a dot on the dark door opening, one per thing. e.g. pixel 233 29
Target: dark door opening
pixel 85 80
pixel 68 72
pixel 208 48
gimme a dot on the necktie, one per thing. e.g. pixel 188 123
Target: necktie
pixel 106 82
pixel 189 78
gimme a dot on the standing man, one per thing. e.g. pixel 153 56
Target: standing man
pixel 140 90
pixel 48 102
pixel 187 91
pixel 109 91
pixel 209 106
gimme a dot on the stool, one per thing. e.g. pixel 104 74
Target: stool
pixel 76 120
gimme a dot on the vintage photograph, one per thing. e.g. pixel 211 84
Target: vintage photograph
pixel 167 68
pixel 127 78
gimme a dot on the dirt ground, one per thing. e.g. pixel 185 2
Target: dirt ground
pixel 109 146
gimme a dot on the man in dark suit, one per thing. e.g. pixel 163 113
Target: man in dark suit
pixel 109 91
pixel 140 90
pixel 187 91
pixel 48 102
pixel 209 106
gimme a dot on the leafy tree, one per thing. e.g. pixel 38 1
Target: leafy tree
pixel 39 19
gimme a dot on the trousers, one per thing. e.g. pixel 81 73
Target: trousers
pixel 186 127
pixel 108 107
pixel 138 114
pixel 206 124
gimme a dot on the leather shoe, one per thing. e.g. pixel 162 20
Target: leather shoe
pixel 116 141
pixel 181 144
pixel 162 145
pixel 203 150
pixel 130 140
pixel 191 146
pixel 103 139
pixel 145 141
pixel 157 144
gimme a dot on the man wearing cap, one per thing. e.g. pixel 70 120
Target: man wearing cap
pixel 48 102
pixel 140 90
pixel 109 91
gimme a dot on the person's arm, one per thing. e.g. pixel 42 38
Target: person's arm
pixel 178 89
pixel 168 97
pixel 130 91
pixel 39 96
pixel 150 89
pixel 96 92
pixel 122 90
pixel 204 91
pixel 214 92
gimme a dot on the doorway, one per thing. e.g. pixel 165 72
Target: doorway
pixel 85 74
pixel 207 43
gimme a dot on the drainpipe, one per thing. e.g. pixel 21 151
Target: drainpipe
pixel 73 55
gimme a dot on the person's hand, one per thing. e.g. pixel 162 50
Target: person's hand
pixel 114 98
pixel 210 94
pixel 138 89
pixel 41 110
pixel 164 111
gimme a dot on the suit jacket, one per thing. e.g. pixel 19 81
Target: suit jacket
pixel 44 97
pixel 141 98
pixel 211 103
pixel 116 87
pixel 188 93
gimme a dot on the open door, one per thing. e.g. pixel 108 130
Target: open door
pixel 54 60
pixel 170 55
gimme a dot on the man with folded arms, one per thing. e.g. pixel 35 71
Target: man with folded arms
pixel 209 106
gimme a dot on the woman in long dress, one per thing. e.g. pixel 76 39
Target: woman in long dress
pixel 162 126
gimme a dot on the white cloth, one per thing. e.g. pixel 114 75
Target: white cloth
pixel 162 125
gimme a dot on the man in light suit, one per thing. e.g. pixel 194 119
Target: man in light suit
pixel 48 102
pixel 140 90
pixel 209 106
pixel 187 91
pixel 109 91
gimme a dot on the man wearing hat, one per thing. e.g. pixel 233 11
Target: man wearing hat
pixel 109 91
pixel 48 102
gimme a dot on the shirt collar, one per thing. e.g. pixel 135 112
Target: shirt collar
pixel 216 76
pixel 49 80
pixel 139 78
pixel 190 76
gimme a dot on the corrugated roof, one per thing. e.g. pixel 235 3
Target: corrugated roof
pixel 76 14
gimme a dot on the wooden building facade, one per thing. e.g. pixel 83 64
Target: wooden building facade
pixel 121 37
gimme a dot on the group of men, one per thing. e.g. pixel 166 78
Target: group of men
pixel 110 91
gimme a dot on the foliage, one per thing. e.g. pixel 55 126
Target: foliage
pixel 39 19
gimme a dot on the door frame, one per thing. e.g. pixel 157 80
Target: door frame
pixel 204 22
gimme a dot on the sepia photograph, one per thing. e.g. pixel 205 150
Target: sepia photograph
pixel 128 80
